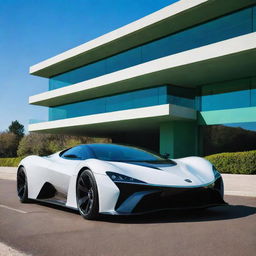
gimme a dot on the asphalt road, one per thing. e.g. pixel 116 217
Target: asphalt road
pixel 43 230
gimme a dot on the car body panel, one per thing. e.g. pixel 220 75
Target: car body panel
pixel 62 174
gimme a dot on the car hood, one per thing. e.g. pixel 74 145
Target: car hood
pixel 179 174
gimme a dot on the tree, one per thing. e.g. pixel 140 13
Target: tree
pixel 46 144
pixel 8 144
pixel 35 144
pixel 16 128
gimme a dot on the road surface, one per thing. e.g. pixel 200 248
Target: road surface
pixel 36 229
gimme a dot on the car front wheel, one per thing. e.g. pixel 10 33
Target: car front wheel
pixel 87 195
pixel 22 185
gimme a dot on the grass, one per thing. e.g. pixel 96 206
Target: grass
pixel 10 161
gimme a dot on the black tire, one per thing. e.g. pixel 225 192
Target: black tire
pixel 87 195
pixel 22 185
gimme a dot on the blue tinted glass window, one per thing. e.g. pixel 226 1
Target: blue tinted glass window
pixel 162 94
pixel 135 99
pixel 57 113
pixel 227 100
pixel 227 95
pixel 253 92
pixel 112 152
pixel 123 60
pixel 89 107
pixel 76 153
pixel 235 24
pixel 148 98
pixel 254 18
pixel 220 29
pixel 186 102
pixel 78 75
pixel 129 100
pixel 119 102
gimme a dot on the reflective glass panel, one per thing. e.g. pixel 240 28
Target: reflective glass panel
pixel 226 95
pixel 253 92
pixel 222 28
pixel 254 18
pixel 134 99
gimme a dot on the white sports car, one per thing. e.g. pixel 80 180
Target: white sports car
pixel 115 179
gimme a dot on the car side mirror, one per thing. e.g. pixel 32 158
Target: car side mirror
pixel 166 155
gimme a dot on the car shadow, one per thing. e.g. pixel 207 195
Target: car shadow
pixel 173 216
pixel 176 216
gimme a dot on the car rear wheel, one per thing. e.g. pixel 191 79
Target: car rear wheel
pixel 87 195
pixel 22 185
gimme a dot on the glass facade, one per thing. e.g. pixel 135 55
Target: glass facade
pixel 135 99
pixel 232 25
pixel 254 18
pixel 228 95
pixel 225 95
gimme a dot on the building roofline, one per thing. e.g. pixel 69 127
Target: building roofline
pixel 168 20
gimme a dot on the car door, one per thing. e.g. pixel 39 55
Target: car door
pixel 64 166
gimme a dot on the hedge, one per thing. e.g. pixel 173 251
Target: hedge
pixel 236 163
pixel 11 162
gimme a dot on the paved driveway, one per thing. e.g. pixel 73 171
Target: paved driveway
pixel 42 230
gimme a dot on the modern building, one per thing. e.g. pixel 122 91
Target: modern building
pixel 156 81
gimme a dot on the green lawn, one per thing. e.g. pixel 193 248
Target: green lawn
pixel 11 161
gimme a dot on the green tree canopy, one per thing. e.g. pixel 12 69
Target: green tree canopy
pixel 16 128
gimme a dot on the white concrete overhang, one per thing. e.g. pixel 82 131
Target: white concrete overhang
pixel 104 124
pixel 173 18
pixel 226 60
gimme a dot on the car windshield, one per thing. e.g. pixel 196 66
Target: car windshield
pixel 112 152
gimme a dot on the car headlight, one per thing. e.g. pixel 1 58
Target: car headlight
pixel 215 172
pixel 116 177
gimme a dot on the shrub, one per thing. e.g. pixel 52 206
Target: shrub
pixel 11 162
pixel 8 144
pixel 236 163
pixel 35 144
pixel 46 144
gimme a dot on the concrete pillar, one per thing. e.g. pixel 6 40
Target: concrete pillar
pixel 179 138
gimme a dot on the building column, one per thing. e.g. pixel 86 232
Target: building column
pixel 179 138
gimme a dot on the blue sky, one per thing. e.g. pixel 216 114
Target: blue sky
pixel 34 30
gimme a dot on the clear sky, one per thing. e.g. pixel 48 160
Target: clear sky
pixel 34 30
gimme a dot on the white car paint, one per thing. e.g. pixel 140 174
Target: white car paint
pixel 62 174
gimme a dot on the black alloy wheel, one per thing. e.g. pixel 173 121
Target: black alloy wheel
pixel 87 195
pixel 22 185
